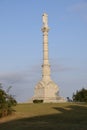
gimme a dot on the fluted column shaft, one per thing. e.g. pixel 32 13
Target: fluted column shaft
pixel 46 65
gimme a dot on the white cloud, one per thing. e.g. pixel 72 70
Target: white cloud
pixel 22 82
pixel 60 68
pixel 58 65
pixel 20 76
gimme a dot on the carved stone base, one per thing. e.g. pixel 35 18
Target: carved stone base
pixel 48 92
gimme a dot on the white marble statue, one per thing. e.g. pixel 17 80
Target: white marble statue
pixel 45 20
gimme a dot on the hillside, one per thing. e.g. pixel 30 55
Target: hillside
pixel 62 116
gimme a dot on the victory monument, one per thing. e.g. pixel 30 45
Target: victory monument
pixel 46 89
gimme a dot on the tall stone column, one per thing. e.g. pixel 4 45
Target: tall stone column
pixel 46 65
pixel 46 89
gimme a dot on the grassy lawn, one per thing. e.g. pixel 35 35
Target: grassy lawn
pixel 61 116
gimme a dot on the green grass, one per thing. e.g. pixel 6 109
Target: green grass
pixel 61 116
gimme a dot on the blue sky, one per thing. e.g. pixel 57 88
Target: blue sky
pixel 21 45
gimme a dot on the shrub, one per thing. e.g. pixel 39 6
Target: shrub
pixel 80 96
pixel 37 101
pixel 6 103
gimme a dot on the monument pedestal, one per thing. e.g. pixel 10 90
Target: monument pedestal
pixel 48 92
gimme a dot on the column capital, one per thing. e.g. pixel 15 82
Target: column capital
pixel 45 29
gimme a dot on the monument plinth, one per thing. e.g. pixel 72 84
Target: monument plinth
pixel 46 89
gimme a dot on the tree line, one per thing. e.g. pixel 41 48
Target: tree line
pixel 80 96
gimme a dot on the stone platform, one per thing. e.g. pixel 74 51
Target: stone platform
pixel 48 92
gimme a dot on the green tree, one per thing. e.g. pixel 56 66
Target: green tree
pixel 6 103
pixel 80 96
